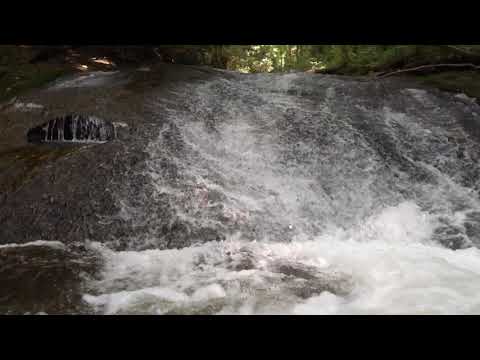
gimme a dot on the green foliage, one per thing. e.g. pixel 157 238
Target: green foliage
pixel 268 58
pixel 342 59
pixel 362 59
pixel 17 73
pixel 347 59
pixel 27 77
pixel 467 82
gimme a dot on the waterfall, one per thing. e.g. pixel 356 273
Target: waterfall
pixel 302 194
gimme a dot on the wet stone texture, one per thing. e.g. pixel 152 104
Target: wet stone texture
pixel 43 279
pixel 50 191
pixel 195 155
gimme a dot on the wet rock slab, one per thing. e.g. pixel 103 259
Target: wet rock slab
pixel 57 191
pixel 44 279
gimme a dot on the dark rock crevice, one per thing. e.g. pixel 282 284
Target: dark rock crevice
pixel 73 129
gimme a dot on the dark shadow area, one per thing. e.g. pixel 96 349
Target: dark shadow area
pixel 73 129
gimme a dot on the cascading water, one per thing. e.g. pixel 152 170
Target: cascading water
pixel 303 194
pixel 291 194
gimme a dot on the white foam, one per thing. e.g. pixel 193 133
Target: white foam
pixel 95 78
pixel 419 94
pixel 120 124
pixel 465 97
pixel 393 266
pixel 27 106
pixel 364 247
pixel 395 279
pixel 209 292
pixel 53 244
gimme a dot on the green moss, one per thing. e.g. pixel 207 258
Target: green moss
pixel 467 82
pixel 16 79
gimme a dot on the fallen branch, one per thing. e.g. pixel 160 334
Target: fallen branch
pixel 422 67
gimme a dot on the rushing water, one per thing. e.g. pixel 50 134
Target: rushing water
pixel 302 194
pixel 330 202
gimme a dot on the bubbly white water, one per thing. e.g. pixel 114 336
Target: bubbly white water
pixel 27 106
pixel 53 244
pixel 387 265
pixel 357 244
pixel 94 78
